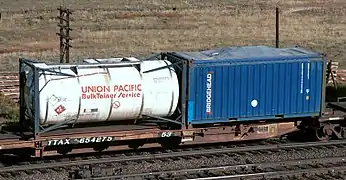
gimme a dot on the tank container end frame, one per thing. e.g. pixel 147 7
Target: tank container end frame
pixel 182 71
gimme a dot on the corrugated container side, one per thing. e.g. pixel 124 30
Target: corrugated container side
pixel 254 90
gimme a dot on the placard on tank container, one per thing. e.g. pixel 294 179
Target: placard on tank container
pixel 253 83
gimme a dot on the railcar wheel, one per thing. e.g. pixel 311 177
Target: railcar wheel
pixel 135 145
pixel 170 143
pixel 64 150
pixel 323 133
pixel 339 131
pixel 100 148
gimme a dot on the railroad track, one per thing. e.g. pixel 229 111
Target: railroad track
pixel 324 168
pixel 132 163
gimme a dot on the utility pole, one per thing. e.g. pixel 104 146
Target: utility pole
pixel 277 27
pixel 64 34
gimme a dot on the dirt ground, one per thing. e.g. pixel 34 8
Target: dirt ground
pixel 106 28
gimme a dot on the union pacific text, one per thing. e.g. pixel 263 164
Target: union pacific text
pixel 116 91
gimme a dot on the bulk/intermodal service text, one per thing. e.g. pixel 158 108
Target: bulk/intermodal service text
pixel 116 91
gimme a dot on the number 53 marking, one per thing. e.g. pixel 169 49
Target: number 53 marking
pixel 167 134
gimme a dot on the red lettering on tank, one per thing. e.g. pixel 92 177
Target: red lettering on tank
pixel 92 89
pixel 116 91
pixel 127 87
pixel 129 95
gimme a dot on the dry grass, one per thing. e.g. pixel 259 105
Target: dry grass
pixel 9 110
pixel 107 28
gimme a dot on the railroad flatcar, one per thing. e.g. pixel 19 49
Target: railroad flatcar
pixel 225 94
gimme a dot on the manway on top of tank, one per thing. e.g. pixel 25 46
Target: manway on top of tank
pixel 112 60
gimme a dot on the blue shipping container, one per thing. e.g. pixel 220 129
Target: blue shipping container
pixel 253 83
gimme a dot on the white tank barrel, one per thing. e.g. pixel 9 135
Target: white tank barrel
pixel 107 94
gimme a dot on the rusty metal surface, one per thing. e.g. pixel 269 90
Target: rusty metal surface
pixel 243 133
pixel 99 129
pixel 202 135
pixel 120 135
pixel 16 144
pixel 110 149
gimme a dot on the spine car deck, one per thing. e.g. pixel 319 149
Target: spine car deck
pixel 103 138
